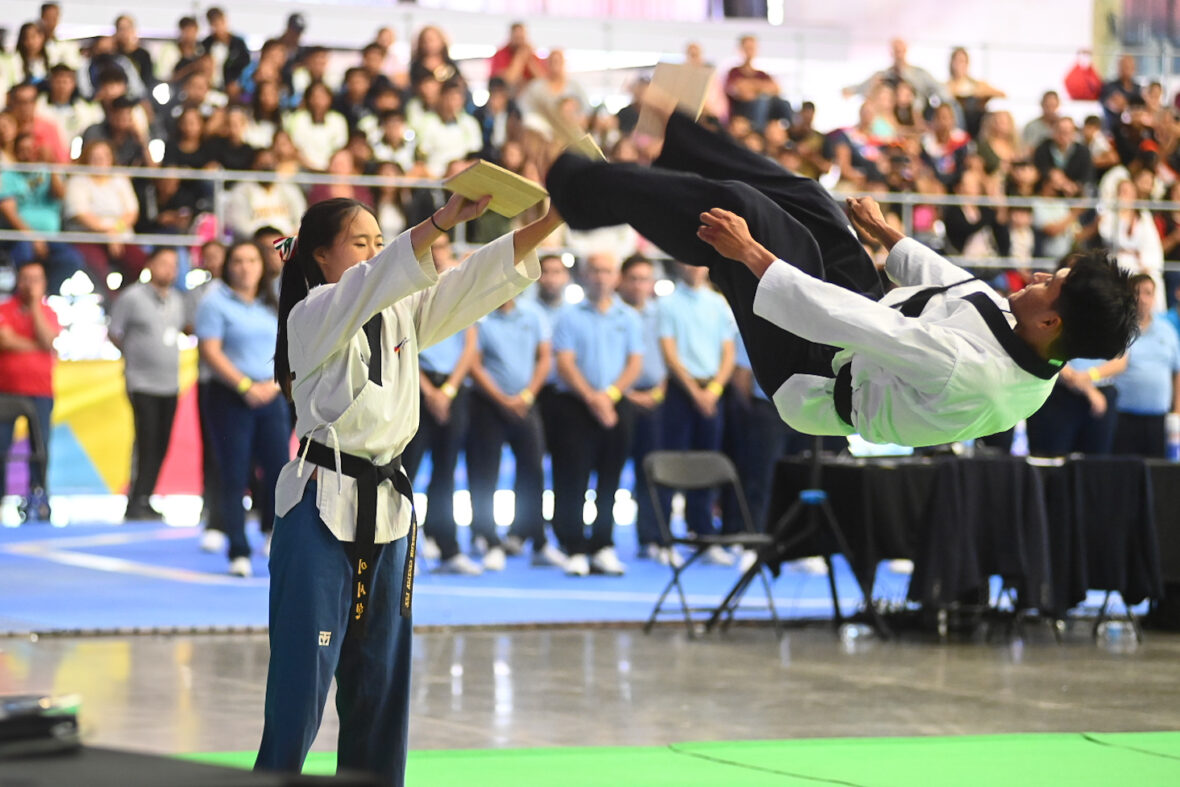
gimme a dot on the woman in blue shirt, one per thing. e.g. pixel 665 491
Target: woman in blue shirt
pixel 250 424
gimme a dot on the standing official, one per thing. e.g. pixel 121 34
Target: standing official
pixel 696 337
pixel 599 346
pixel 146 322
pixel 442 372
pixel 637 288
pixel 513 360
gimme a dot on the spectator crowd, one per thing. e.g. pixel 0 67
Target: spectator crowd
pixel 592 381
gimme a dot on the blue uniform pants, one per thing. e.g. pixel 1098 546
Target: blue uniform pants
pixel 310 642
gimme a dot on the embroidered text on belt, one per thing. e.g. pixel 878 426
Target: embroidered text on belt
pixel 368 477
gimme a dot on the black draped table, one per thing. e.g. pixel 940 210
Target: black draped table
pixel 1052 531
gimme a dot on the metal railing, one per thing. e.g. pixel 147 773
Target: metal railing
pixel 222 179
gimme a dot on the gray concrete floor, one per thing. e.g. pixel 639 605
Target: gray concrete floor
pixel 522 688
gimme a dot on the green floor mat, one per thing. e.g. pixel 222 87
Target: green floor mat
pixel 1075 759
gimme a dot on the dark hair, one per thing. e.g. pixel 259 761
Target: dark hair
pixel 265 231
pixel 187 21
pixel 373 46
pixel 1098 308
pixel 321 224
pixel 264 292
pixel 214 13
pixel 632 261
pixel 157 251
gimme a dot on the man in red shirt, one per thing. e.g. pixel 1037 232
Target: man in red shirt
pixel 753 93
pixel 516 62
pixel 27 330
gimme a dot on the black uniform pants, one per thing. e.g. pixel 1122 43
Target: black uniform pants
pixel 153 417
pixel 443 441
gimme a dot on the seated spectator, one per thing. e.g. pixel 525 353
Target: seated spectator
pixel 753 93
pixel 230 148
pixel 362 152
pixel 58 52
pixel 1121 93
pixel 266 116
pixel 516 62
pixel 372 62
pixel 112 84
pixel 312 68
pixel 397 144
pixel 268 67
pixel 119 132
pixel 229 52
pixel 7 137
pixel 342 164
pixel 352 100
pixel 1134 132
pixel 104 204
pixel 1041 127
pixel 1022 238
pixel 432 58
pixel 387 99
pixel 22 103
pixel 1147 158
pixel 196 94
pixel 103 57
pixel 181 200
pixel 998 142
pixel 1062 151
pixel 1056 224
pixel 808 142
pixel 907 119
pixel 31 202
pixel 972 94
pixel 177 59
pixel 498 118
pixel 1167 222
pixel 449 133
pixel 421 105
pixel 62 104
pixel 882 98
pixel 287 160
pixel 544 95
pixel 929 91
pixel 316 129
pixel 1133 238
pixel 976 231
pixel 390 202
pixel 1102 153
pixel 856 151
pixel 1149 388
pixel 127 45
pixel 945 146
pixel 32 62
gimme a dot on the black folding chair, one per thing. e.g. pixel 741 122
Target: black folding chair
pixel 694 470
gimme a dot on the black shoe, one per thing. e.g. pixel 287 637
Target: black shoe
pixel 141 511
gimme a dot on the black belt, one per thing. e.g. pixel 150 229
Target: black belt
pixel 436 378
pixel 368 477
pixel 843 394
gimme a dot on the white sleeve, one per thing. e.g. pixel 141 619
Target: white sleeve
pixel 483 283
pixel 911 264
pixel 332 314
pixel 827 314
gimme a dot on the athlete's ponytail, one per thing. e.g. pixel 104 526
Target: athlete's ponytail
pixel 321 224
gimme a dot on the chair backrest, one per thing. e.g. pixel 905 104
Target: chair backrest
pixel 689 469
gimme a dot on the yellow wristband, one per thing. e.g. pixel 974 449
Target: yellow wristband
pixel 614 393
pixel 715 388
pixel 527 397
pixel 244 385
pixel 657 395
pixel 450 390
pixel 1094 375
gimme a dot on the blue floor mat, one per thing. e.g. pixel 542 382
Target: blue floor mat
pixel 154 577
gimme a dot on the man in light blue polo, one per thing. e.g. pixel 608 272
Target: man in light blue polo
pixel 697 331
pixel 599 346
pixel 512 362
pixel 637 289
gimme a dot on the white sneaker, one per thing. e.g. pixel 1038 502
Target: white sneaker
pixel 266 544
pixel 605 561
pixel 512 545
pixel 214 541
pixel 748 559
pixel 479 546
pixel 241 567
pixel 428 549
pixel 577 566
pixel 901 566
pixel 549 556
pixel 459 564
pixel 718 556
pixel 669 556
pixel 494 560
pixel 651 552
